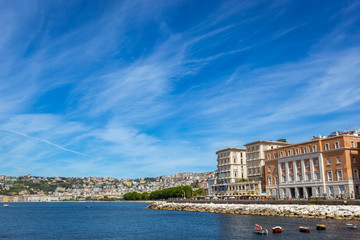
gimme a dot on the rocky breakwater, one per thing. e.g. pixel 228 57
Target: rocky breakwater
pixel 302 211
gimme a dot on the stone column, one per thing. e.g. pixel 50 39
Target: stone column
pixel 322 174
pixel 303 169
pixel 287 171
pixel 295 171
pixel 312 169
pixel 305 192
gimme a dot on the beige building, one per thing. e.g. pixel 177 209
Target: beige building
pixel 325 166
pixel 231 169
pixel 255 158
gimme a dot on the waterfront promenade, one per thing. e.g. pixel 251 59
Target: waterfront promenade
pixel 264 208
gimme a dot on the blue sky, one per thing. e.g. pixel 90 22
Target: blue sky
pixel 146 88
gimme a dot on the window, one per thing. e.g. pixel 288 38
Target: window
pixel 317 175
pixel 316 162
pixel 342 189
pixel 275 156
pixel 331 190
pixel 299 164
pixel 339 175
pixel 257 155
pixel 269 169
pixel 292 177
pixel 284 178
pixel 307 163
pixel 352 144
pixel 276 180
pixel 290 165
pixel 356 174
pixel 283 167
pixel 297 151
pixel 275 168
pixel 268 156
pixel 338 160
pixel 326 146
pixel 289 153
pixel 308 176
pixel 269 180
pixel 281 154
pixel 299 177
pixel 328 161
pixel 305 149
pixel 336 145
pixel 329 174
pixel 314 148
pixel 354 159
pixel 257 147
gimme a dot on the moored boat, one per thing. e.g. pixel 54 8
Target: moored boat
pixel 304 229
pixel 260 230
pixel 277 229
pixel 6 205
pixel 320 227
pixel 351 226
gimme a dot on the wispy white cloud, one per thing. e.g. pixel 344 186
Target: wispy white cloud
pixel 45 141
pixel 168 103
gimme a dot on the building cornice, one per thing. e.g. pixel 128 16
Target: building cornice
pixel 269 142
pixel 231 149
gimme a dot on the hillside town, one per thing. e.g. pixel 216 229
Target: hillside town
pixel 323 167
pixel 49 189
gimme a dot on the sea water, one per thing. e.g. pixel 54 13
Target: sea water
pixel 115 220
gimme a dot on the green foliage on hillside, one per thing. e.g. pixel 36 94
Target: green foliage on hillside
pixel 32 187
pixel 174 192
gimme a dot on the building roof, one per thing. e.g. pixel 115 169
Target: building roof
pixel 231 149
pixel 317 139
pixel 270 142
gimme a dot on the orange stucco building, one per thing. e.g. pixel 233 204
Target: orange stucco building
pixel 325 166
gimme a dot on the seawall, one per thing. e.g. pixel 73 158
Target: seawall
pixel 302 211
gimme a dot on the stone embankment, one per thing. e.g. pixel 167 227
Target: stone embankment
pixel 302 211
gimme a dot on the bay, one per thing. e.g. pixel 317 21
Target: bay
pixel 110 220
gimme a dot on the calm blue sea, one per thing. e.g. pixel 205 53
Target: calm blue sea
pixel 134 221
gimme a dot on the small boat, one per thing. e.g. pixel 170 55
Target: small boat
pixel 260 230
pixel 351 226
pixel 6 205
pixel 320 227
pixel 304 229
pixel 277 229
pixel 87 207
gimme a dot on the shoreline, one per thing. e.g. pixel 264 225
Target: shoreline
pixel 340 212
pixel 122 201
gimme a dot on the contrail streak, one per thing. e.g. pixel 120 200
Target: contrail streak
pixel 46 141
